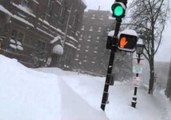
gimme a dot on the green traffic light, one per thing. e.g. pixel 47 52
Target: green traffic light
pixel 118 11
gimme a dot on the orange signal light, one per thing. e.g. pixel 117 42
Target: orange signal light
pixel 123 42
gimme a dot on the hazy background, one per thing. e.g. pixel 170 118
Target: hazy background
pixel 164 53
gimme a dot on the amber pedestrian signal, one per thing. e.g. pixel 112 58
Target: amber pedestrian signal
pixel 127 41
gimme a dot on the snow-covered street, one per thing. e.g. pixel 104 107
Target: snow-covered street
pixel 54 94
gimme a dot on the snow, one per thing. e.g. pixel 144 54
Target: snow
pixel 25 9
pixel 23 20
pixel 39 29
pixel 55 39
pixel 111 33
pixel 31 95
pixel 36 2
pixel 54 94
pixel 140 41
pixel 71 45
pixel 47 23
pixel 20 47
pixel 58 49
pixel 129 32
pixel 5 10
pixel 72 38
pixel 19 43
pixel 13 46
pixel 12 40
pixel 111 18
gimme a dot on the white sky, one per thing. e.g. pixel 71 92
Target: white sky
pixel 164 53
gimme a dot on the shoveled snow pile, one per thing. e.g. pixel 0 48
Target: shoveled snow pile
pixel 26 94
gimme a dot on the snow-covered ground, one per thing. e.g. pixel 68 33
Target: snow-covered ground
pixel 53 94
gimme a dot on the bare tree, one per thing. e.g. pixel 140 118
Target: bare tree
pixel 148 18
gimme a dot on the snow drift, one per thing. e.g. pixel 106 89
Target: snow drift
pixel 26 94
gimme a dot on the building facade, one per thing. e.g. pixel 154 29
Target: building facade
pixel 32 30
pixel 92 56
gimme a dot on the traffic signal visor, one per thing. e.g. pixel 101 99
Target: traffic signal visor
pixel 118 10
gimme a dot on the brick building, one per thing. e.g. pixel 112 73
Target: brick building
pixel 30 30
pixel 92 56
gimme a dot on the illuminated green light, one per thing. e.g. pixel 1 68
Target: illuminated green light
pixel 118 11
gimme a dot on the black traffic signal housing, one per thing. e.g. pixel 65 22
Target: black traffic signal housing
pixel 127 42
pixel 118 8
pixel 111 41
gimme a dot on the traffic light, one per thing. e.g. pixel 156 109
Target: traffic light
pixel 118 8
pixel 127 40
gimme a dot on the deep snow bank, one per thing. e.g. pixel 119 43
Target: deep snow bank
pixel 26 94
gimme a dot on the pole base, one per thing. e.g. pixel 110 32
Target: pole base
pixel 133 104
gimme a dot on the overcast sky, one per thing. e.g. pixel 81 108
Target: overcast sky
pixel 164 53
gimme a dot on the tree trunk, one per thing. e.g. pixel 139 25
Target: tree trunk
pixel 151 82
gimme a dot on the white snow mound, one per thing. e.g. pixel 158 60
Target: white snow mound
pixel 26 94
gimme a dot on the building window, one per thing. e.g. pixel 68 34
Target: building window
pixel 88 40
pixel 93 16
pixel 108 29
pixel 89 36
pixel 41 45
pixel 77 55
pixel 16 35
pixel 99 30
pixel 84 60
pixel 87 47
pixel 86 50
pixel 20 36
pixel 83 27
pixel 91 28
pixel 101 18
pixel 95 51
pixel 98 37
pixel 16 40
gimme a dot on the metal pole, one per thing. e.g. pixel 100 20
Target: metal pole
pixel 110 66
pixel 134 98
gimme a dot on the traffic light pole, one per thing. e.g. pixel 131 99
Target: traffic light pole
pixel 109 76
